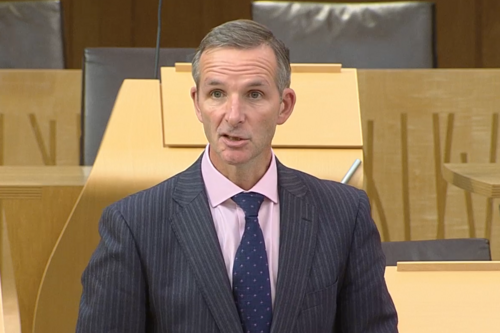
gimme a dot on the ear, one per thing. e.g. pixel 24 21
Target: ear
pixel 194 97
pixel 287 105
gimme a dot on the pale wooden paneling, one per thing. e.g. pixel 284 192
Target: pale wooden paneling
pixel 10 320
pixel 40 117
pixel 460 104
pixel 36 203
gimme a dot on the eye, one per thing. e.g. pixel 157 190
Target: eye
pixel 255 94
pixel 216 94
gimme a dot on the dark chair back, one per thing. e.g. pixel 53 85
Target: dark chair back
pixel 464 249
pixel 104 70
pixel 31 35
pixel 359 35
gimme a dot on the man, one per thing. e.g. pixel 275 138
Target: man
pixel 239 242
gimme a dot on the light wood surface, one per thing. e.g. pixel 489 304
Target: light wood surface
pixel 413 122
pixel 445 301
pixel 36 203
pixel 322 99
pixel 10 319
pixel 27 176
pixel 448 266
pixel 479 178
pixel 40 117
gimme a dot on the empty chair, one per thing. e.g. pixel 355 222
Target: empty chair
pixel 104 70
pixel 361 35
pixel 464 249
pixel 31 34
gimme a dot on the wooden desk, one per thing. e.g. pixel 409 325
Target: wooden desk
pixel 438 301
pixel 36 202
pixel 483 179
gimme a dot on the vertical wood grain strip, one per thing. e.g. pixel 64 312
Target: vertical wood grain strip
pixel 478 33
pixel 371 188
pixel 367 159
pixel 494 138
pixel 437 168
pixel 489 218
pixel 449 139
pixel 2 138
pixel 405 174
pixel 468 204
pixel 78 130
pixel 53 142
pixel 2 221
pixel 488 224
pixel 441 184
pixel 39 139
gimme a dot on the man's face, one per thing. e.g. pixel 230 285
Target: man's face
pixel 239 104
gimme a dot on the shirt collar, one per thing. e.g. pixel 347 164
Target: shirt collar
pixel 220 189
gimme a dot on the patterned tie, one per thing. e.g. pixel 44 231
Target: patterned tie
pixel 251 284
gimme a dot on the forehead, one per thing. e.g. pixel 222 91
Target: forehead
pixel 259 61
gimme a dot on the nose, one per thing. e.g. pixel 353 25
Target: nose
pixel 234 111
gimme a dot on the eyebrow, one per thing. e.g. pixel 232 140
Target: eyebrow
pixel 256 83
pixel 213 82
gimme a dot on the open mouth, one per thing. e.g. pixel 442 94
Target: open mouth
pixel 233 138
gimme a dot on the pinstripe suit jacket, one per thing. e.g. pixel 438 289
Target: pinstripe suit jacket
pixel 159 267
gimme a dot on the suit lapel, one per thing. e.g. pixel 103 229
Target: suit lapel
pixel 195 230
pixel 298 230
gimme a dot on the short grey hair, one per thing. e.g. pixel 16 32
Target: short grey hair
pixel 245 34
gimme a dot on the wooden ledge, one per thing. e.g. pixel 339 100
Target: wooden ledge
pixel 448 266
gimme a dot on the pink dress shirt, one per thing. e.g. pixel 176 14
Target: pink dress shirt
pixel 229 218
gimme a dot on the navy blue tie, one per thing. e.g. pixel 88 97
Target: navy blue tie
pixel 251 283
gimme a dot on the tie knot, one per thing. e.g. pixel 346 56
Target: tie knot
pixel 250 202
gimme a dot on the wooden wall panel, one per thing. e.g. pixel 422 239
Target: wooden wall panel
pixel 144 18
pixel 490 29
pixel 181 23
pixel 456 25
pixel 441 114
pixel 115 22
pixel 40 117
pixel 34 225
pixel 35 203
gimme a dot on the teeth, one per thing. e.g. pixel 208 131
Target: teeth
pixel 232 138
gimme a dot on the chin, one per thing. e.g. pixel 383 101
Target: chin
pixel 234 159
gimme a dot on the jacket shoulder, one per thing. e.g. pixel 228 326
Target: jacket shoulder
pixel 324 189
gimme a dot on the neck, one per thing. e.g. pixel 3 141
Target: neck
pixel 245 180
pixel 245 176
